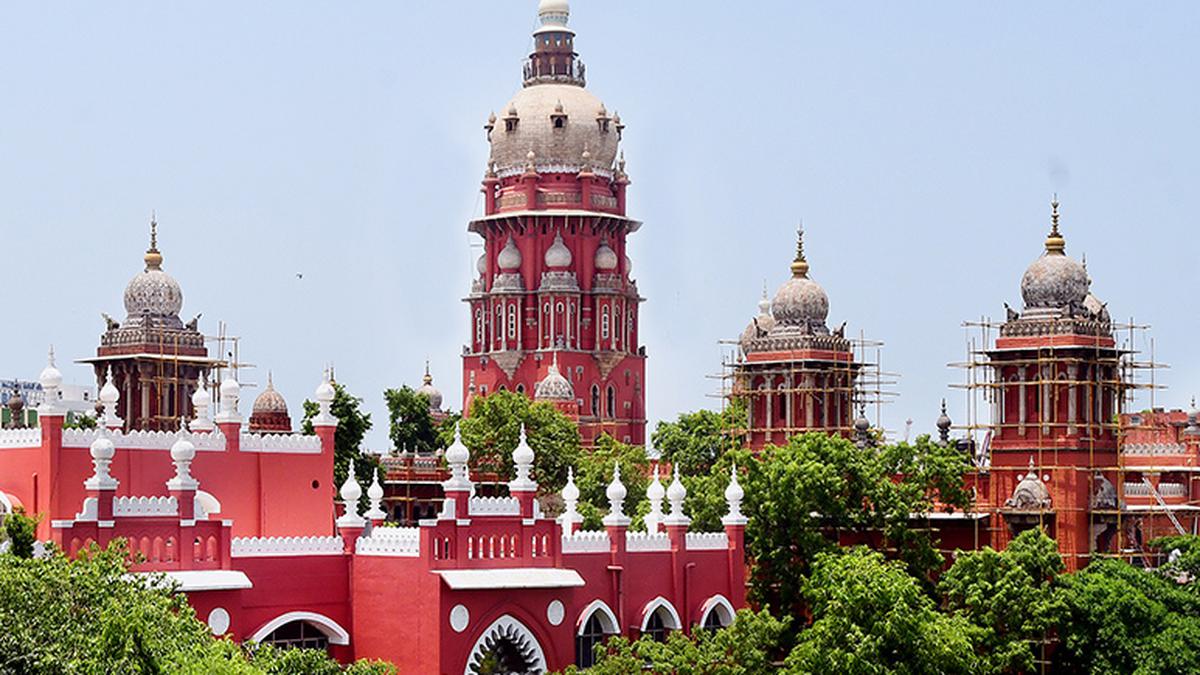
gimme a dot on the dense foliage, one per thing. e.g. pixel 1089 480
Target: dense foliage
pixel 411 427
pixel 88 615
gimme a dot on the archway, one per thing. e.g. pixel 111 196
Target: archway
pixel 658 618
pixel 302 629
pixel 596 624
pixel 506 647
pixel 716 613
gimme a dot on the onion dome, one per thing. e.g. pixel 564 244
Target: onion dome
pixel 481 265
pixel 109 394
pixel 269 401
pixel 153 293
pixel 761 324
pixel 200 396
pixel 606 258
pixel 457 453
pixel 655 492
pixel 1054 281
pixel 554 387
pixel 800 301
pixel 557 121
pixel 558 255
pixel 554 12
pixel 431 392
pixel 628 266
pixel 510 257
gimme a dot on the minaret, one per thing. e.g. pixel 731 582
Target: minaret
pixel 554 281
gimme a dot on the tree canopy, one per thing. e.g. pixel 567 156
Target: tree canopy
pixel 411 427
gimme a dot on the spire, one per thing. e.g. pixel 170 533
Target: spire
pixel 350 492
pixel 616 498
pixel 655 493
pixel 1055 243
pixel 428 379
pixel 375 494
pixel 676 494
pixel 800 264
pixel 153 258
pixel 570 497
pixel 734 494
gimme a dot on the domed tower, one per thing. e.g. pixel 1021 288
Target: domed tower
pixel 1056 389
pixel 156 358
pixel 270 412
pixel 793 374
pixel 554 281
pixel 433 395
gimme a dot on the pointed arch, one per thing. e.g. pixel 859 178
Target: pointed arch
pixel 332 630
pixel 669 616
pixel 607 618
pixel 510 631
pixel 719 608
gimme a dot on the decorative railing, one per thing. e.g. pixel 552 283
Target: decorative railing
pixel 1172 489
pixel 21 438
pixel 494 506
pixel 261 547
pixel 645 541
pixel 559 198
pixel 400 542
pixel 282 443
pixel 145 506
pixel 1154 449
pixel 604 201
pixel 1137 490
pixel 143 440
pixel 585 542
pixel 706 541
pixel 518 199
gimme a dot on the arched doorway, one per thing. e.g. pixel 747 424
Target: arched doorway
pixel 506 647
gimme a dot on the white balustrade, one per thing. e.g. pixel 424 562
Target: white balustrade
pixel 706 541
pixel 262 547
pixel 1171 489
pixel 1136 490
pixel 645 541
pixel 494 506
pixel 142 440
pixel 586 542
pixel 396 542
pixel 145 506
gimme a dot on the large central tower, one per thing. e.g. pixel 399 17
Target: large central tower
pixel 554 298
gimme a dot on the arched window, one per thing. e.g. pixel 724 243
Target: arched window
pixel 308 630
pixel 611 401
pixel 520 389
pixel 500 322
pixel 716 613
pixel 479 326
pixel 659 617
pixel 604 323
pixel 595 400
pixel 597 624
pixel 297 634
pixel 507 646
pixel 656 628
pixel 512 321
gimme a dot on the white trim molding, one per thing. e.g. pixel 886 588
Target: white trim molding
pixel 661 603
pixel 332 630
pixel 512 629
pixel 721 605
pixel 607 617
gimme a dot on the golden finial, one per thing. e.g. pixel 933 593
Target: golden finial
pixel 428 379
pixel 153 258
pixel 1055 242
pixel 800 264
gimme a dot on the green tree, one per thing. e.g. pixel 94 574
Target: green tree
pixel 1182 560
pixel 697 440
pixel 802 496
pixel 21 532
pixel 89 615
pixel 1122 619
pixel 871 616
pixel 79 421
pixel 353 425
pixel 744 648
pixel 493 428
pixel 1011 596
pixel 595 471
pixel 410 426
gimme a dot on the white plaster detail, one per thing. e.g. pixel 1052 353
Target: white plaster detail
pixel 460 618
pixel 645 541
pixel 350 492
pixel 90 512
pixel 21 438
pixel 586 542
pixel 570 496
pixel 332 630
pixel 706 541
pixel 723 608
pixel 262 547
pixel 493 506
pixel 608 618
pixel 616 497
pixel 140 440
pixel 218 621
pixel 509 628
pixel 205 504
pixel 555 612
pixel 399 542
pixel 670 620
pixel 294 444
pixel 145 506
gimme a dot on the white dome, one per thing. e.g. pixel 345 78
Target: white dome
pixel 51 377
pixel 606 258
pixel 510 257
pixel 800 301
pixel 558 255
pixel 560 149
pixel 481 265
pixel 200 396
pixel 554 387
pixel 761 324
pixel 1054 280
pixel 431 392
pixel 628 266
pixel 154 293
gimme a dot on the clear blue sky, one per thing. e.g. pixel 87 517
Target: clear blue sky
pixel 919 141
